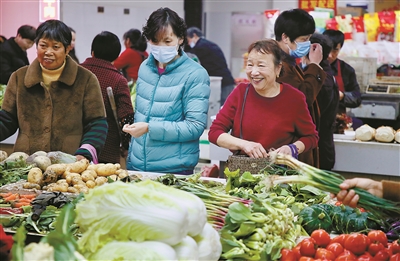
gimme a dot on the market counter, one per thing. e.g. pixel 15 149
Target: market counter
pixel 374 158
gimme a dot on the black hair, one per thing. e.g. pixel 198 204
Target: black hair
pixel 3 38
pixel 106 46
pixel 159 21
pixel 268 46
pixel 336 36
pixel 294 23
pixel 138 41
pixel 54 30
pixel 191 31
pixel 324 41
pixel 27 32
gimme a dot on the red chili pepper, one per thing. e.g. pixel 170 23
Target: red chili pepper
pixel 7 211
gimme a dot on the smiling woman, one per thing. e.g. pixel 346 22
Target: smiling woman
pixel 259 116
pixel 56 104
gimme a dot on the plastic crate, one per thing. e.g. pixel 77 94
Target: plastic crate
pixel 365 69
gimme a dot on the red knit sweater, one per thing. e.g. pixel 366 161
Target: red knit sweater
pixel 273 122
pixel 130 59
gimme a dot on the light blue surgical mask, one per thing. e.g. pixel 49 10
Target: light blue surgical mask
pixel 302 49
pixel 164 54
pixel 192 44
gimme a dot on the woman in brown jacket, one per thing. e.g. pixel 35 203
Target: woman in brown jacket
pixel 56 104
pixel 293 29
pixel 383 189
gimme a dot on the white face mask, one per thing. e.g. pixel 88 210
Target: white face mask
pixel 192 44
pixel 164 54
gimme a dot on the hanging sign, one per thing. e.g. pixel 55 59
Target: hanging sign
pixel 49 9
pixel 309 5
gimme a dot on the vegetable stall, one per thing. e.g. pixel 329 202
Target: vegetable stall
pixel 83 211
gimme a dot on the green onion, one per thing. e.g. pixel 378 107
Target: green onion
pixel 329 181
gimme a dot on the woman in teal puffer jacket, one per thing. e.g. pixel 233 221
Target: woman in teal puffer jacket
pixel 171 103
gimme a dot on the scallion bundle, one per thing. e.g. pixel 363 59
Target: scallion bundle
pixel 329 181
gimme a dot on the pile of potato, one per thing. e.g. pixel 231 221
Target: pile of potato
pixel 76 177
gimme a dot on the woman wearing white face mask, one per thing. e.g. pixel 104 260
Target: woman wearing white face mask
pixel 293 29
pixel 171 103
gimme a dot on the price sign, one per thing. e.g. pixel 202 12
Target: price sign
pixel 49 9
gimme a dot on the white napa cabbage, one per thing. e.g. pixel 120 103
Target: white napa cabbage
pixel 209 244
pixel 196 208
pixel 123 212
pixel 187 250
pixel 147 250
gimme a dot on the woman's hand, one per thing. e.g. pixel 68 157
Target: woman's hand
pixel 315 54
pixel 254 149
pixel 349 196
pixel 285 149
pixel 137 129
pixel 79 157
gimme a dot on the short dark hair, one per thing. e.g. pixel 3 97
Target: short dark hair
pixel 54 30
pixel 194 30
pixel 159 20
pixel 268 46
pixel 324 41
pixel 106 46
pixel 27 32
pixel 294 23
pixel 138 41
pixel 336 36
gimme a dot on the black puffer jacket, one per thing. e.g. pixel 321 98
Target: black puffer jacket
pixel 12 57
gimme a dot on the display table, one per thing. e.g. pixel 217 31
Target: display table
pixel 374 158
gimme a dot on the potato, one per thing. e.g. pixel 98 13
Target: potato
pixel 29 185
pixel 59 169
pixel 117 165
pixel 63 187
pixel 3 155
pixel 35 175
pixel 49 176
pixel 91 172
pixel 86 175
pixel 90 184
pixel 100 181
pixel 106 169
pixel 16 156
pixel 79 166
pixel 60 181
pixel 113 177
pixel 122 173
pixel 42 162
pixel 93 166
pixel 76 179
pixel 72 190
pixel 79 186
pixel 69 177
pixel 84 189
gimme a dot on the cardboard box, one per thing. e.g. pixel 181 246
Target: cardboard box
pixel 354 11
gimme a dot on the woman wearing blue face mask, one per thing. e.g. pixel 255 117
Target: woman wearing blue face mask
pixel 293 29
pixel 171 103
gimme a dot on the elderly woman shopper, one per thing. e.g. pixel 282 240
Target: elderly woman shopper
pixel 264 114
pixel 56 104
pixel 171 103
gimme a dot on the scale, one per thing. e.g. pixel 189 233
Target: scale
pixel 380 104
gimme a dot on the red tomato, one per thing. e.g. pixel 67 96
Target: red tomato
pixel 346 256
pixel 321 237
pixel 365 257
pixel 288 255
pixel 335 248
pixel 306 258
pixel 340 239
pixel 308 247
pixel 374 248
pixel 382 255
pixel 356 243
pixel 395 257
pixel 296 251
pixel 324 254
pixel 378 236
pixel 395 246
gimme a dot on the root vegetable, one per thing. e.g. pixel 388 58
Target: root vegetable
pixel 84 189
pixel 90 172
pixel 113 177
pixel 35 175
pixel 86 177
pixel 3 155
pixel 90 184
pixel 72 190
pixel 79 166
pixel 59 169
pixel 16 156
pixel 100 181
pixel 122 173
pixel 29 185
pixel 49 176
pixel 93 166
pixel 60 181
pixel 76 179
pixel 42 162
pixel 106 169
pixel 60 157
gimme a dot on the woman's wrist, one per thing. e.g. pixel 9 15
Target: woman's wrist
pixel 294 150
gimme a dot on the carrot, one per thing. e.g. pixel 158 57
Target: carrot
pixel 11 197
pixel 28 196
pixel 4 195
pixel 20 204
pixel 25 200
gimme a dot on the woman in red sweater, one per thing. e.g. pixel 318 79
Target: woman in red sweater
pixel 134 54
pixel 264 114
